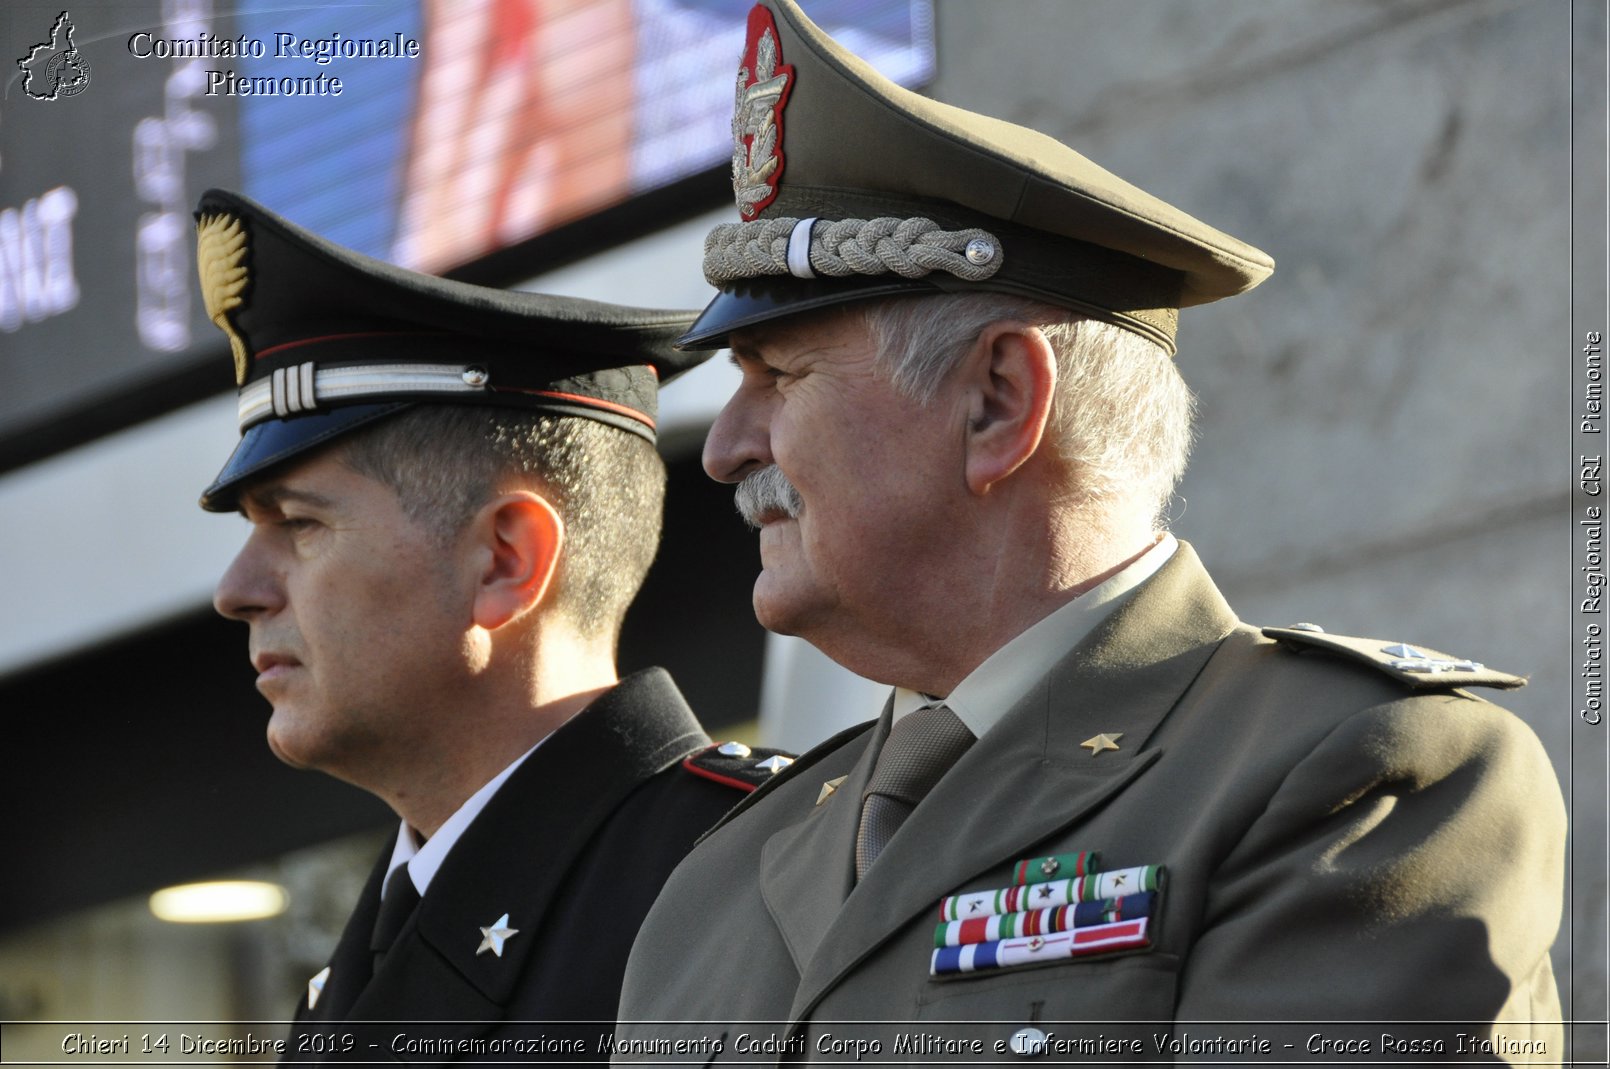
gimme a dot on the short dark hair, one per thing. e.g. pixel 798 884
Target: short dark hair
pixel 446 461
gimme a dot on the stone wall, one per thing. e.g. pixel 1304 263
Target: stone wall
pixel 1385 424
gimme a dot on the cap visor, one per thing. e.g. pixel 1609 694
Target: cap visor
pixel 748 302
pixel 276 441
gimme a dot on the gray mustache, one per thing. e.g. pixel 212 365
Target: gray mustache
pixel 766 491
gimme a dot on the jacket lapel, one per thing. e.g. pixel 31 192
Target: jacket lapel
pixel 808 868
pixel 1029 778
pixel 513 858
pixel 352 963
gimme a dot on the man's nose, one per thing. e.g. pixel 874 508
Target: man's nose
pixel 738 442
pixel 248 588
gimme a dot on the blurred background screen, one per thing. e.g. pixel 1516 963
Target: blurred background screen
pixel 450 137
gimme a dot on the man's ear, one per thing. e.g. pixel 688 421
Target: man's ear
pixel 520 536
pixel 1011 377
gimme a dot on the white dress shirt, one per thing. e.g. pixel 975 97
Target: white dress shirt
pixel 424 860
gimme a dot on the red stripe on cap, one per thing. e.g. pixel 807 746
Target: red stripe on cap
pixel 590 402
pixel 283 346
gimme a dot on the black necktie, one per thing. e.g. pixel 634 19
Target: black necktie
pixel 920 748
pixel 396 906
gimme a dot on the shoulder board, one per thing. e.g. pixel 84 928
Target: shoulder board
pixel 738 766
pixel 798 765
pixel 1417 667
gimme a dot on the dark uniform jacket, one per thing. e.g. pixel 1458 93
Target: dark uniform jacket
pixel 573 848
pixel 1342 842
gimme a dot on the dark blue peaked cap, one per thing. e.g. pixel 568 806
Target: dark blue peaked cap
pixel 326 340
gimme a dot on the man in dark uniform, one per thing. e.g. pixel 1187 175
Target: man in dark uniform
pixel 1100 818
pixel 454 495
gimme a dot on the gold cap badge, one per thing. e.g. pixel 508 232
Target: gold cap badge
pixel 221 262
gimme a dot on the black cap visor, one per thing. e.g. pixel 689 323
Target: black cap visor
pixel 751 301
pixel 276 441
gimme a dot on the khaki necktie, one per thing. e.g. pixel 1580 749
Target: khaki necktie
pixel 920 747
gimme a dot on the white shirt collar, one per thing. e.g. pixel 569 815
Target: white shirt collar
pixel 980 700
pixel 423 861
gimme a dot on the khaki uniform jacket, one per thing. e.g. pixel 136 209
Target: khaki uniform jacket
pixel 573 847
pixel 1339 848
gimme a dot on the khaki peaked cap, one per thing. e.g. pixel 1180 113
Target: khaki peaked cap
pixel 819 134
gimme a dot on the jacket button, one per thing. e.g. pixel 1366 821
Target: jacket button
pixel 1028 1042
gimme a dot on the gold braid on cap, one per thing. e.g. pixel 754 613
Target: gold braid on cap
pixel 221 262
pixel 808 248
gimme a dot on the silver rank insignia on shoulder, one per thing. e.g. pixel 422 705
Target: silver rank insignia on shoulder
pixel 1409 659
pixel 1416 667
pixel 315 986
pixel 494 936
pixel 774 764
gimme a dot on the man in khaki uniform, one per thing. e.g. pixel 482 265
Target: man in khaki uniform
pixel 1100 818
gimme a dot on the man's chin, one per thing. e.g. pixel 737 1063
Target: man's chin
pixel 777 609
pixel 777 626
pixel 284 747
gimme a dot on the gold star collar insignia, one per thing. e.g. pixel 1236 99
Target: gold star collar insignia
pixel 828 789
pixel 1107 740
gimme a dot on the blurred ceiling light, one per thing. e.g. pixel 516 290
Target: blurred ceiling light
pixel 219 901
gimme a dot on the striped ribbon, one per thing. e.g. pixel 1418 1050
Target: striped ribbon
pixel 1032 869
pixel 1043 921
pixel 1004 953
pixel 1035 896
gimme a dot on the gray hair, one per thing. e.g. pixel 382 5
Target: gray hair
pixel 1121 416
pixel 446 461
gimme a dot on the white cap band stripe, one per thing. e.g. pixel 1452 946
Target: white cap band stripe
pixel 291 390
pixel 799 249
